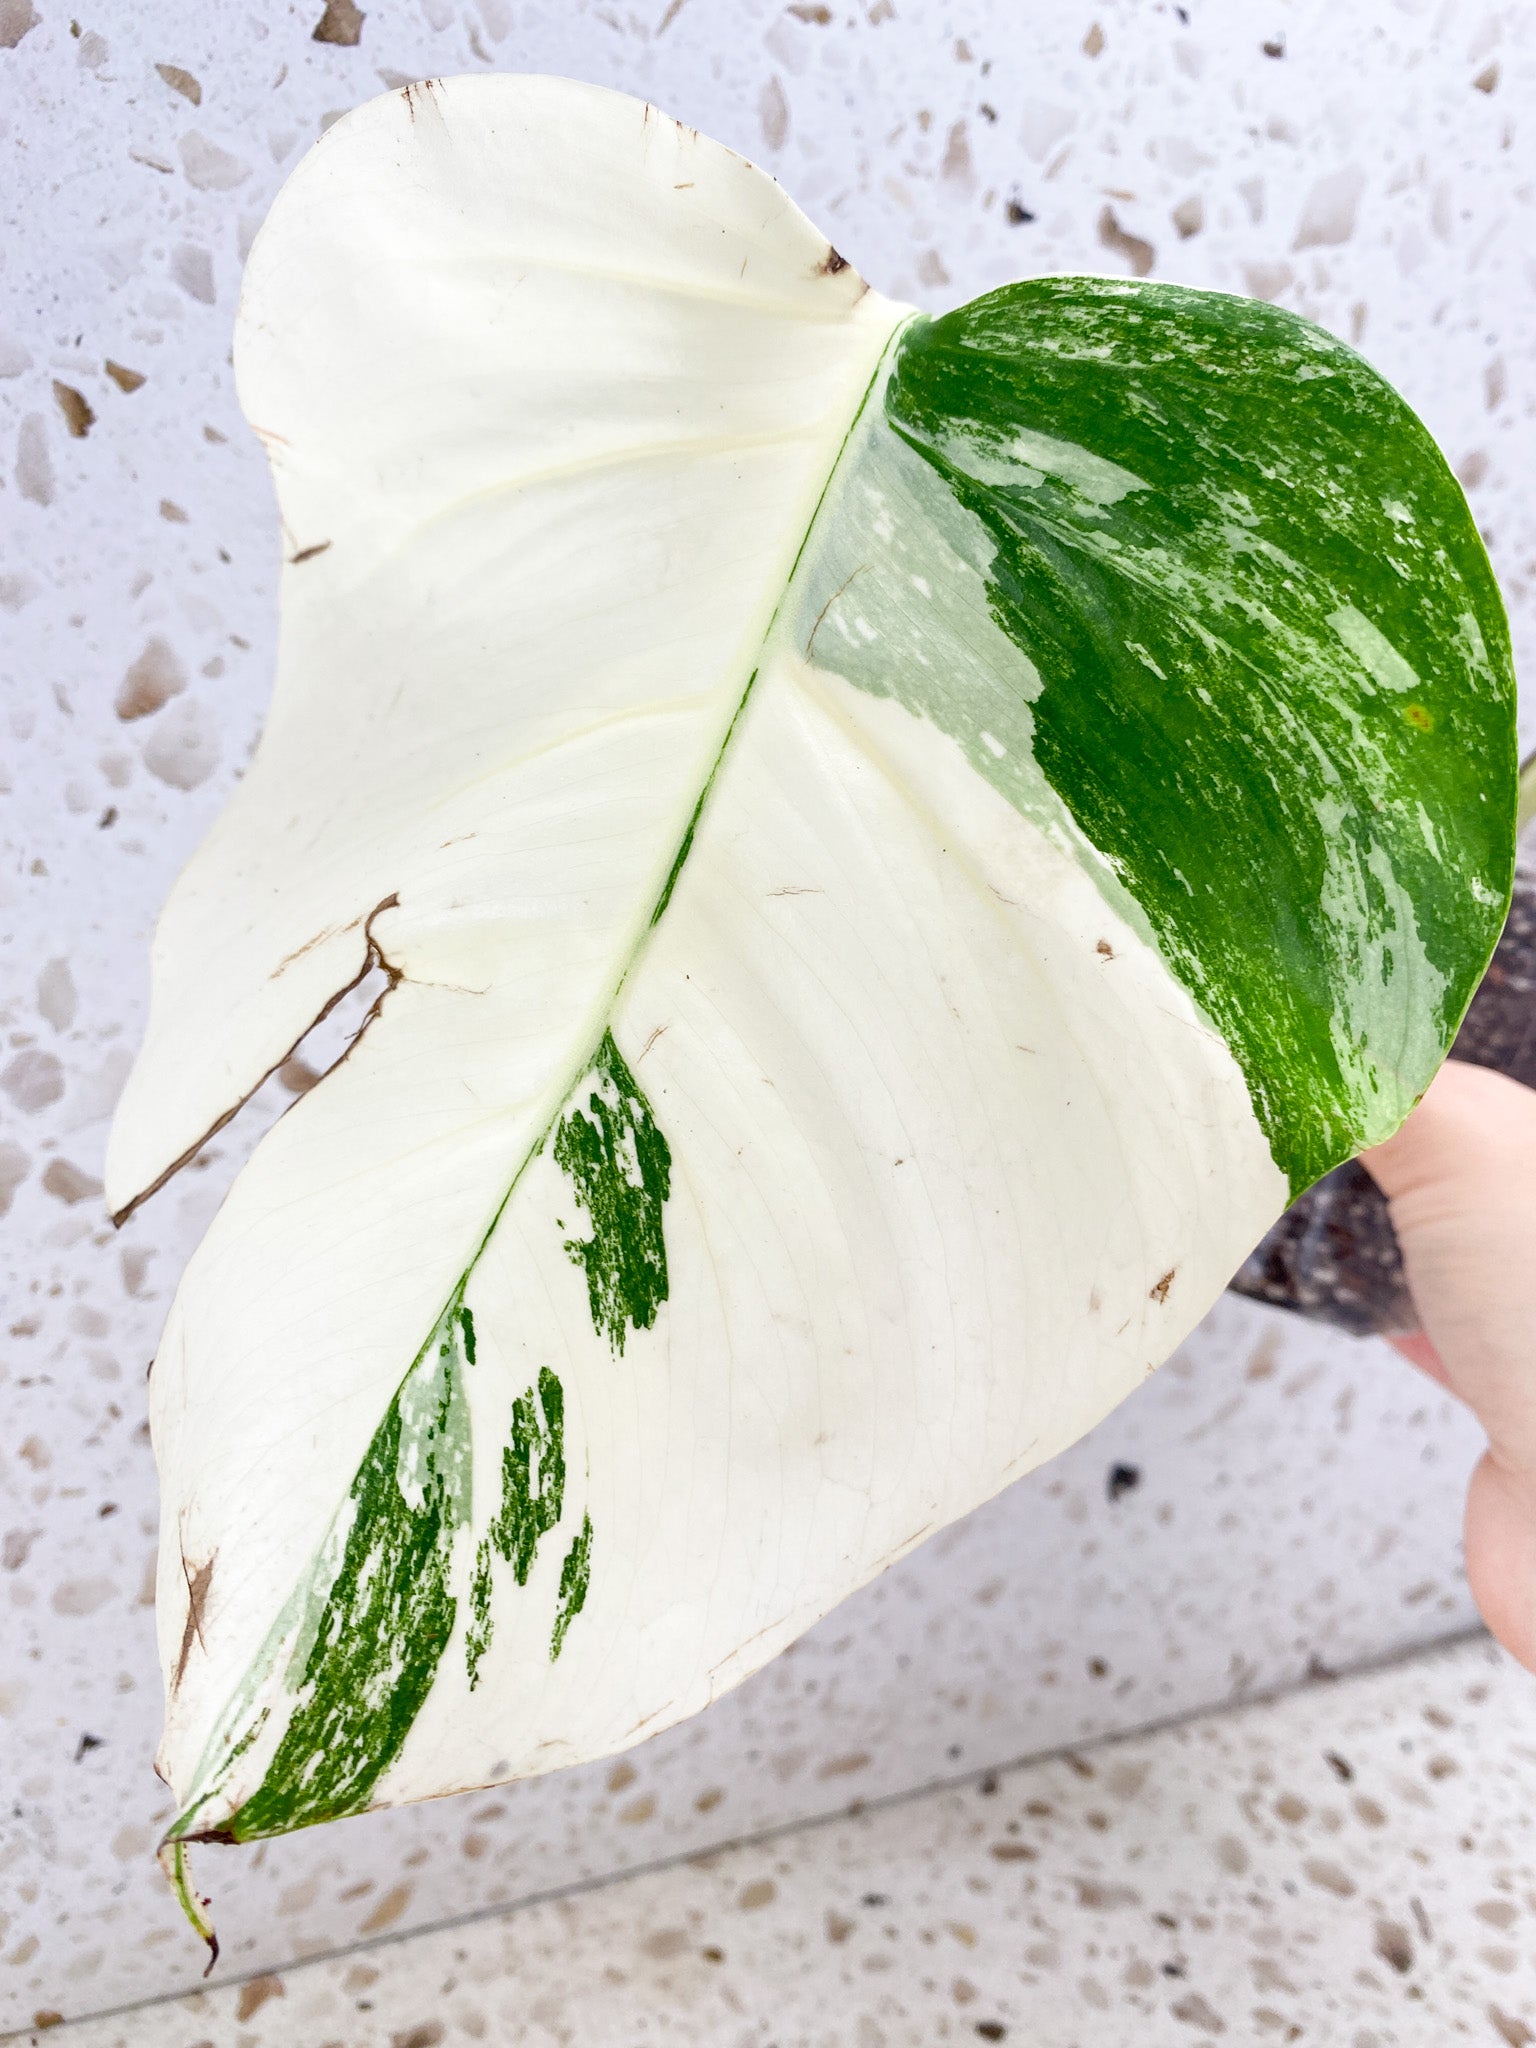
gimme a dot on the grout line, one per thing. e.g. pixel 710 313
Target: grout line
pixel 1315 1680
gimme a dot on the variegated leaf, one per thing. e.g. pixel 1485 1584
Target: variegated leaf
pixel 898 844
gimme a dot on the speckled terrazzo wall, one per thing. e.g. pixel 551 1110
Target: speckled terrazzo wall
pixel 1284 1500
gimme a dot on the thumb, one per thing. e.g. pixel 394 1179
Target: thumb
pixel 1460 1177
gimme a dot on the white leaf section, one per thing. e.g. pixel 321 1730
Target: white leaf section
pixel 555 384
pixel 550 386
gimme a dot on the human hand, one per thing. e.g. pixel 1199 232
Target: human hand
pixel 1460 1177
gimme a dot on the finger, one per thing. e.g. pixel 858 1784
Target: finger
pixel 1501 1556
pixel 1461 1180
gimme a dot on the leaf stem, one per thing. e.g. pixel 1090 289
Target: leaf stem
pixel 172 1858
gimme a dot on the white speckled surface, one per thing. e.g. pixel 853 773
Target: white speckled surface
pixel 1353 1864
pixel 1299 1496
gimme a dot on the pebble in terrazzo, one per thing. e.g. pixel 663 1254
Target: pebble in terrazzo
pixel 1296 1498
pixel 1352 1866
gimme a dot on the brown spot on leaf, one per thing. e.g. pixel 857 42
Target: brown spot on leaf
pixel 78 416
pixel 1159 1290
pixel 182 82
pixel 308 554
pixel 1093 42
pixel 761 1892
pixel 1136 252
pixel 425 2035
pixel 1014 1852
pixel 1105 948
pixel 342 23
pixel 255 1993
pixel 425 87
pixel 125 379
pixel 832 262
pixel 297 1075
pixel 198 1583
pixel 1487 81
pixel 817 15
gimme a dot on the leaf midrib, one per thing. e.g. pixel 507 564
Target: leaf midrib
pixel 681 846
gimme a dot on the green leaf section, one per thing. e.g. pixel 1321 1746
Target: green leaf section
pixel 373 1647
pixel 1261 657
pixel 532 1497
pixel 575 1576
pixel 620 1166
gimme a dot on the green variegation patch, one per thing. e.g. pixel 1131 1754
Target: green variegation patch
pixel 368 1629
pixel 575 1576
pixel 1185 577
pixel 532 1498
pixel 620 1169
